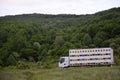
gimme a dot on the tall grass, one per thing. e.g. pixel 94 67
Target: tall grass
pixel 84 73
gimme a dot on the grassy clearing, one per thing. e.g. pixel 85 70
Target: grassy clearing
pixel 94 73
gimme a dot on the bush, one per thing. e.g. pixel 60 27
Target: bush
pixel 117 60
pixel 0 67
pixel 10 67
pixel 43 65
pixel 23 66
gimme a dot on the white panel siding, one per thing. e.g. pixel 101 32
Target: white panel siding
pixel 92 61
pixel 90 55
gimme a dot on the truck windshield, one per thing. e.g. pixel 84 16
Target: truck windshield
pixel 62 60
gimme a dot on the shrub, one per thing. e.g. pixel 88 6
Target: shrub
pixel 23 66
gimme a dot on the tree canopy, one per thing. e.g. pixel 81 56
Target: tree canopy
pixel 39 37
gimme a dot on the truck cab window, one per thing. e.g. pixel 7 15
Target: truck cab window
pixel 62 60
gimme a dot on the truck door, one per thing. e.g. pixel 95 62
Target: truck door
pixel 64 62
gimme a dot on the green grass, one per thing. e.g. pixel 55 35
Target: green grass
pixel 84 73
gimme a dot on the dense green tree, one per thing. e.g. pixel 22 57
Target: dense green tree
pixel 11 60
pixel 87 39
pixel 28 53
pixel 59 41
pixel 44 38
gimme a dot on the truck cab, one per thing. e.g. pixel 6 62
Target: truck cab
pixel 64 62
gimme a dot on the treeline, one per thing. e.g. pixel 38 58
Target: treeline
pixel 44 38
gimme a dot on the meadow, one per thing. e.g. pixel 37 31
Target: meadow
pixel 74 73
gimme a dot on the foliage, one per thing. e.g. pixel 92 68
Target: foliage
pixel 23 65
pixel 44 38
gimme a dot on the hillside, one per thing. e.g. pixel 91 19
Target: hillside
pixel 42 38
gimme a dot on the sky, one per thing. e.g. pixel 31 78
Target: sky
pixel 15 7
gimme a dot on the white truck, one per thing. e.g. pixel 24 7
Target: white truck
pixel 87 57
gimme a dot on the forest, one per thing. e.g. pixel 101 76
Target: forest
pixel 43 38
